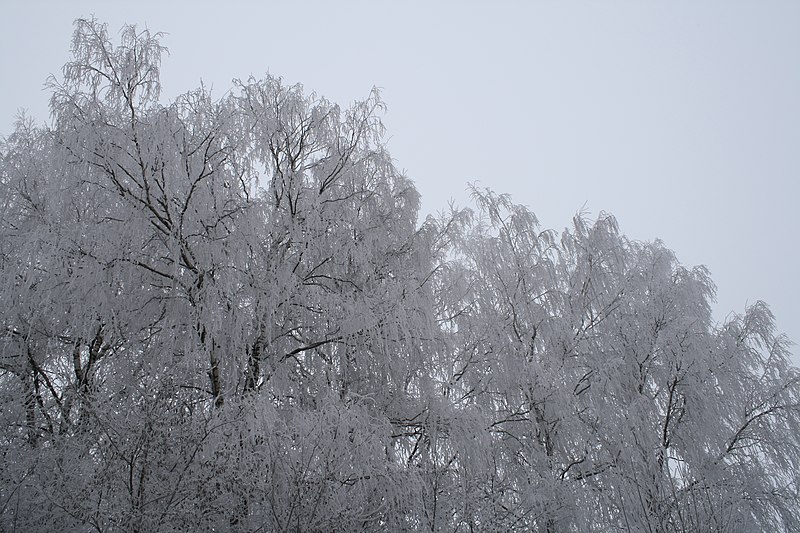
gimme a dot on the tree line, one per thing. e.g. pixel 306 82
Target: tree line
pixel 223 314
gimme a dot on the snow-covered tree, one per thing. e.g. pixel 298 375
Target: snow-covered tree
pixel 223 315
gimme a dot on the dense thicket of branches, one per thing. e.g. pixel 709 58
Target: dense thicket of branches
pixel 223 315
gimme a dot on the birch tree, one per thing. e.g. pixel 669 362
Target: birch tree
pixel 223 314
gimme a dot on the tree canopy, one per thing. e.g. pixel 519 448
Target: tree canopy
pixel 223 314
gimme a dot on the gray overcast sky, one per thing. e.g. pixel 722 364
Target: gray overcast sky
pixel 680 118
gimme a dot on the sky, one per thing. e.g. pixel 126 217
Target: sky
pixel 681 118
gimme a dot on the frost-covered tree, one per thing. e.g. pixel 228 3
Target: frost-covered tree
pixel 223 315
pixel 613 401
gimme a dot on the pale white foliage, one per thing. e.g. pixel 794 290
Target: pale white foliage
pixel 223 315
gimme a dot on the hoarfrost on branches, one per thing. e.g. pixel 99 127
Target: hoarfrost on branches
pixel 224 315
